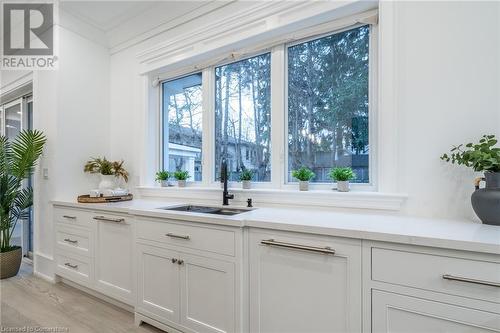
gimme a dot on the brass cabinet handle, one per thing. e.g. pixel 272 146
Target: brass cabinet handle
pixel 108 219
pixel 71 266
pixel 186 237
pixel 70 240
pixel 323 250
pixel 469 280
pixel 69 217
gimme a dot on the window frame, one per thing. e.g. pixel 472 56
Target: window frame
pixel 372 109
pixel 161 132
pixel 248 55
pixel 279 108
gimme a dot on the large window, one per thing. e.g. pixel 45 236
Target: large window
pixel 319 92
pixel 243 117
pixel 182 125
pixel 328 103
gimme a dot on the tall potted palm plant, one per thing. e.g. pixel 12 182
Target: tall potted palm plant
pixel 17 162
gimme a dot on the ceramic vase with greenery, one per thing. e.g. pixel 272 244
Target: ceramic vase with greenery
pixel 303 175
pixel 17 163
pixel 181 176
pixel 162 177
pixel 484 157
pixel 246 178
pixel 342 176
pixel 109 171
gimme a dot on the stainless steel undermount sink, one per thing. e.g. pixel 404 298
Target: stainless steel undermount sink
pixel 208 210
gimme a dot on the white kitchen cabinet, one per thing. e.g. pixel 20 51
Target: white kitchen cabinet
pixel 188 276
pixel 404 314
pixel 158 283
pixel 114 256
pixel 301 283
pixel 207 294
pixel 414 289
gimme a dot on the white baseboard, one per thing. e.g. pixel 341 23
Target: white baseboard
pixel 139 318
pixel 97 294
pixel 47 278
pixel 43 266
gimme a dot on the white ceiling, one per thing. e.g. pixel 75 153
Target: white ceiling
pixel 122 21
pixel 106 15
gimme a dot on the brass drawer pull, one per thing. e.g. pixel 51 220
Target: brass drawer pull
pixel 469 280
pixel 107 219
pixel 68 240
pixel 323 250
pixel 69 217
pixel 186 237
pixel 71 266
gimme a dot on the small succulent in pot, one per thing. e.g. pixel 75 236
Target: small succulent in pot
pixel 162 176
pixel 181 176
pixel 303 175
pixel 342 176
pixel 246 178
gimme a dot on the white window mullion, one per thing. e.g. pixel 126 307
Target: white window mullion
pixel 208 125
pixel 278 116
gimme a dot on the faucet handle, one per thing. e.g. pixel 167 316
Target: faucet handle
pixel 249 202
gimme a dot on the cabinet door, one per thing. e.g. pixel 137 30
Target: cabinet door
pixel 114 257
pixel 404 314
pixel 157 283
pixel 207 294
pixel 304 290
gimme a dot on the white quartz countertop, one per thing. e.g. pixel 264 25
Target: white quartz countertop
pixel 450 234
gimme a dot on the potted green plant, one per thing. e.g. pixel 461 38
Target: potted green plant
pixel 246 178
pixel 304 175
pixel 342 176
pixel 483 156
pixel 181 176
pixel 162 176
pixel 17 162
pixel 109 171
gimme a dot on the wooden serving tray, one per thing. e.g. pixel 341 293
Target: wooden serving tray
pixel 88 199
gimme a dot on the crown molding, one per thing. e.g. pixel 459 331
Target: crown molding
pixel 249 26
pixel 205 8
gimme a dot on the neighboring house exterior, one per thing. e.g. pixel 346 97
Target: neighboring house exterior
pixel 184 152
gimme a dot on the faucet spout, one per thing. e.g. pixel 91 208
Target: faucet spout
pixel 223 175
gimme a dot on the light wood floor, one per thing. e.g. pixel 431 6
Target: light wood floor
pixel 28 301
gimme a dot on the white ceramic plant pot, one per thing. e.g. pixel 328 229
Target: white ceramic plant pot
pixel 343 186
pixel 303 185
pixel 181 183
pixel 246 184
pixel 164 183
pixel 107 182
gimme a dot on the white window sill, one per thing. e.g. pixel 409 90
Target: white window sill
pixel 273 197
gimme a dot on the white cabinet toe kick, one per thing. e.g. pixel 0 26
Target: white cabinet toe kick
pixel 195 277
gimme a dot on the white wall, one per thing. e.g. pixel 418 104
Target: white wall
pixel 71 106
pixel 448 62
pixel 447 92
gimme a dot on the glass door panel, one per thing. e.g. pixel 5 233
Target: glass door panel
pixel 13 122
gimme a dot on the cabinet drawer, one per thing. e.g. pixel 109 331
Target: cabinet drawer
pixel 75 240
pixel 75 268
pixel 451 275
pixel 72 216
pixel 199 238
